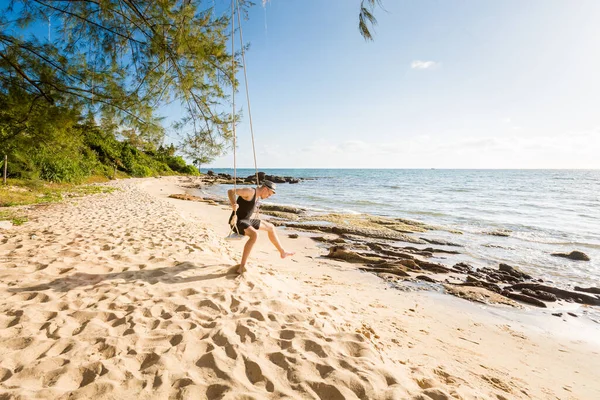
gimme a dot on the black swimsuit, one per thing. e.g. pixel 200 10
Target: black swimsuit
pixel 244 214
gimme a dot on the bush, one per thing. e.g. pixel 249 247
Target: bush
pixel 190 170
pixel 141 171
pixel 61 169
pixel 177 164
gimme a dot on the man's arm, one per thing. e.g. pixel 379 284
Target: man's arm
pixel 245 193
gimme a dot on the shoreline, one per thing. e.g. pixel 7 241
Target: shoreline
pixel 133 289
pixel 524 313
pixel 457 278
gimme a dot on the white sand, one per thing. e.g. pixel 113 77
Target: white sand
pixel 130 295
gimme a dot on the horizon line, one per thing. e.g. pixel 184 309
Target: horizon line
pixel 419 168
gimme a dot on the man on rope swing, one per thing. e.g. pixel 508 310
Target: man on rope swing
pixel 243 209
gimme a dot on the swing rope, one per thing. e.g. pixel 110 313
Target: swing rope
pixel 235 5
pixel 247 92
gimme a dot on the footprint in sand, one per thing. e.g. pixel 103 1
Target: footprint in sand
pixel 245 333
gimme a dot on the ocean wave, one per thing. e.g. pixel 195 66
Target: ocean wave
pixel 574 244
pixel 460 190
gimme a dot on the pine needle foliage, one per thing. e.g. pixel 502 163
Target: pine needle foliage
pixel 366 19
pixel 123 59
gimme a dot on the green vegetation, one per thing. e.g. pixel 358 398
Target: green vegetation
pixel 12 216
pixel 58 144
pixel 22 192
pixel 82 99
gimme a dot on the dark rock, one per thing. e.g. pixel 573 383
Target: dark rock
pixel 441 242
pixel 523 298
pixel 560 293
pixel 411 264
pixel 341 253
pixel 210 173
pixel 286 209
pixel 432 250
pixel 471 281
pixel 588 290
pixel 433 267
pixel 462 268
pixel 293 236
pixel 572 315
pixel 388 250
pixel 545 296
pixel 574 255
pixel 499 276
pixel 539 294
pixel 477 274
pixel 426 278
pixel 325 240
pixel 558 314
pixel 514 272
pixel 273 178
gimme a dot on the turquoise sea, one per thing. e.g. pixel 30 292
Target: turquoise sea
pixel 542 211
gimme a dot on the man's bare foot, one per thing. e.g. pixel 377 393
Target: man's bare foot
pixel 285 254
pixel 241 269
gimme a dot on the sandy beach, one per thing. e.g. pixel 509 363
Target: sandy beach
pixel 133 295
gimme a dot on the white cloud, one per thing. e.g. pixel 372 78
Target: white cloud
pixel 418 64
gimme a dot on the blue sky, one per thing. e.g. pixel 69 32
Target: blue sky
pixel 445 84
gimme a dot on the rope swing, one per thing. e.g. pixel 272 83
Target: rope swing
pixel 234 234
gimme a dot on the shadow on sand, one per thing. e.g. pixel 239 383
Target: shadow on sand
pixel 152 276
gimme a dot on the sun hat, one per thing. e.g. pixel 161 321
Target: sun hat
pixel 270 185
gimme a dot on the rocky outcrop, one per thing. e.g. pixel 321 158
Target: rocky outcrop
pixel 374 242
pixel 574 255
pixel 511 271
pixel 252 178
pixel 342 253
pixel 562 294
pixel 364 232
pixel 588 290
pixel 440 242
pixel 285 209
pixel 524 298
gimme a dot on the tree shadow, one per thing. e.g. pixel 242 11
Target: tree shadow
pixel 152 276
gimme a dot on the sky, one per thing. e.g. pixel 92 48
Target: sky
pixel 445 84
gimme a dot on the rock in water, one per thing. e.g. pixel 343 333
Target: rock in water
pixel 594 290
pixel 574 255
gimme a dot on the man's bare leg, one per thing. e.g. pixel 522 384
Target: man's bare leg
pixel 267 226
pixel 252 236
